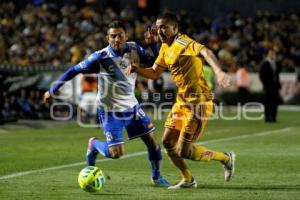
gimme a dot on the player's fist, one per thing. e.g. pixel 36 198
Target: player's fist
pixel 47 97
pixel 130 69
pixel 151 35
pixel 223 79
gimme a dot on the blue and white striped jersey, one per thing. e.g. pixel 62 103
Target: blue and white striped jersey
pixel 115 89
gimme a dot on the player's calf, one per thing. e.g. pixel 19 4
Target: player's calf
pixel 95 147
pixel 91 153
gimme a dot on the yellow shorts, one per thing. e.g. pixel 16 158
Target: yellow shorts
pixel 189 119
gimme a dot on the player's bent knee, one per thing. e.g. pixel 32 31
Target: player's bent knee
pixel 90 141
pixel 170 138
pixel 168 143
pixel 171 152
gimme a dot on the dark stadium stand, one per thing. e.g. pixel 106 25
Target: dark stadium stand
pixel 41 37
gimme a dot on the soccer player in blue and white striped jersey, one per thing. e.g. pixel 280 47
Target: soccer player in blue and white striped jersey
pixel 117 104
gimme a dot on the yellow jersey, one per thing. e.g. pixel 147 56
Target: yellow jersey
pixel 186 68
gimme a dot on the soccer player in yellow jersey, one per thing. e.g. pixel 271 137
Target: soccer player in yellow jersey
pixel 181 55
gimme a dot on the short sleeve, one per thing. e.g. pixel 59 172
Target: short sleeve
pixel 194 48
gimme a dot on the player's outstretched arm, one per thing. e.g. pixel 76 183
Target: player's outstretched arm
pixel 68 75
pixel 153 72
pixel 223 79
pixel 87 66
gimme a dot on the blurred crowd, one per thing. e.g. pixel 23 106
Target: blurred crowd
pixel 24 104
pixel 49 34
pixel 59 34
pixel 243 41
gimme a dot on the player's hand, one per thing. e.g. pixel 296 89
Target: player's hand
pixel 151 35
pixel 130 69
pixel 223 79
pixel 47 97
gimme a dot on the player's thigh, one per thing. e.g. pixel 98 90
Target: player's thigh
pixel 137 123
pixel 195 121
pixel 112 126
pixel 175 118
pixel 170 137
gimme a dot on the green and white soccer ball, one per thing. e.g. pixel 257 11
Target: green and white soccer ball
pixel 91 179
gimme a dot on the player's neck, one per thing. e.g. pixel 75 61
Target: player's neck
pixel 171 40
pixel 118 51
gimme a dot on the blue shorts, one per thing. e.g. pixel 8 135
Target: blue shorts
pixel 136 122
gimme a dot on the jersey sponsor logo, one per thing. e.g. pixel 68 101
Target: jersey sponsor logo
pixel 111 68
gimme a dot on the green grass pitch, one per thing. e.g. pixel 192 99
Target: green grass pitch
pixel 44 163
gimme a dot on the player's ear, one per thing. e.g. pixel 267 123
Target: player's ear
pixel 107 35
pixel 175 28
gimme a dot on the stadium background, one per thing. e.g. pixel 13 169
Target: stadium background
pixel 40 39
pixel 40 158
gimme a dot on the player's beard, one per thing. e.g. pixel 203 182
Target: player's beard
pixel 118 46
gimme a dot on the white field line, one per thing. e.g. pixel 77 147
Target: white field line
pixel 264 133
pixel 3 131
pixel 247 136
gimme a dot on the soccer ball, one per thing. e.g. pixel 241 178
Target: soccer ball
pixel 91 179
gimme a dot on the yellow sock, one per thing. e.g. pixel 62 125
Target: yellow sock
pixel 220 156
pixel 200 153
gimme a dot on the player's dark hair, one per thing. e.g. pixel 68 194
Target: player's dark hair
pixel 117 24
pixel 170 17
